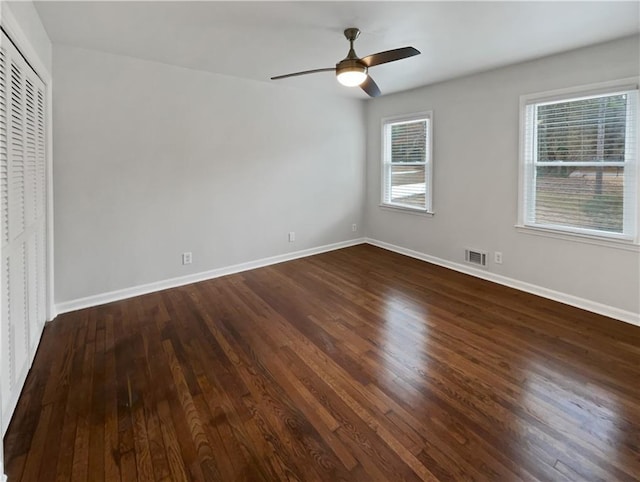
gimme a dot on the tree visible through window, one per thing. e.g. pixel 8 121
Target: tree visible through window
pixel 581 155
pixel 406 162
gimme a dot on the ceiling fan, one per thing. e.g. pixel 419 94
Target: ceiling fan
pixel 352 70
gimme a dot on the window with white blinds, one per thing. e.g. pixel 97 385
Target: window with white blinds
pixel 406 162
pixel 579 161
pixel 22 217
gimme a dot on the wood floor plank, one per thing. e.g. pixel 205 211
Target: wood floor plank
pixel 110 447
pixel 80 464
pixel 125 397
pixel 192 415
pixel 355 365
pixel 34 458
pixel 173 449
pixel 67 441
pixel 159 462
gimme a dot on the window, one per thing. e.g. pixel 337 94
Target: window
pixel 406 162
pixel 579 161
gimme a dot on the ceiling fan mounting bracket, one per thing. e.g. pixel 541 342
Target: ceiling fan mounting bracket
pixel 352 33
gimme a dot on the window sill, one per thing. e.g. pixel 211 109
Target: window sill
pixel 623 244
pixel 415 212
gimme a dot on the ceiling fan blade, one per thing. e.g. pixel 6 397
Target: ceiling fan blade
pixel 370 87
pixel 389 56
pixel 305 72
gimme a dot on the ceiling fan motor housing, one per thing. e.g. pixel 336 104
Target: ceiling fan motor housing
pixel 347 65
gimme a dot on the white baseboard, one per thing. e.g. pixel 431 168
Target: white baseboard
pixel 118 295
pixel 585 304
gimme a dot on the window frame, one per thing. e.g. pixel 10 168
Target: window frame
pixel 385 180
pixel 527 166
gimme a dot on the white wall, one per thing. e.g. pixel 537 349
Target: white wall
pixel 152 160
pixel 28 21
pixel 476 177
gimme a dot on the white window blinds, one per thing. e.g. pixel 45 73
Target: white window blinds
pixel 580 156
pixel 406 169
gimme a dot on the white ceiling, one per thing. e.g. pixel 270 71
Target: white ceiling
pixel 257 40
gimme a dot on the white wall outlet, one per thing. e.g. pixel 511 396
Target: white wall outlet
pixel 292 236
pixel 497 257
pixel 354 227
pixel 187 258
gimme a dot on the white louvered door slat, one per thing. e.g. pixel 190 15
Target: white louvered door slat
pixel 23 216
pixel 18 304
pixel 41 156
pixel 8 372
pixel 4 160
pixel 16 136
pixel 32 292
pixel 41 266
pixel 30 151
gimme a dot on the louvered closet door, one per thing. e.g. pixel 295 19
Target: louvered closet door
pixel 22 155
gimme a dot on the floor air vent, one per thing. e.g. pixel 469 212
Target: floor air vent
pixel 473 256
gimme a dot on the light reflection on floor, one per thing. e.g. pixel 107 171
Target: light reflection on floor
pixel 565 401
pixel 404 336
pixel 557 398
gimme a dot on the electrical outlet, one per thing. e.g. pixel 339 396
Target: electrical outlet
pixel 497 257
pixel 186 258
pixel 354 227
pixel 292 236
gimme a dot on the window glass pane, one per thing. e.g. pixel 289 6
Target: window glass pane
pixel 581 197
pixel 408 186
pixel 584 130
pixel 408 142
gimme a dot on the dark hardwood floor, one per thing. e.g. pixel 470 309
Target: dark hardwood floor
pixel 355 365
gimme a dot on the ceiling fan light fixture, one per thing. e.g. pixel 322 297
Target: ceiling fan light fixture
pixel 351 78
pixel 351 73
